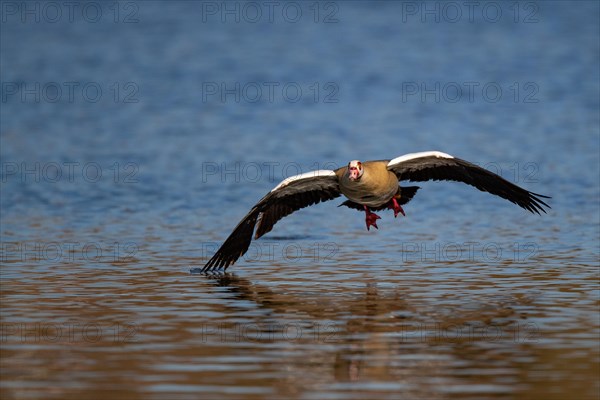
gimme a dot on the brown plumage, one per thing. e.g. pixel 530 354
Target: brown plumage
pixel 375 188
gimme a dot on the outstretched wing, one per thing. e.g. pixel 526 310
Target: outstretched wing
pixel 290 195
pixel 438 166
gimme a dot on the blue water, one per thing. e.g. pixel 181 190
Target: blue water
pixel 130 149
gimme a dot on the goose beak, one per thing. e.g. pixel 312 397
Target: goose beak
pixel 353 174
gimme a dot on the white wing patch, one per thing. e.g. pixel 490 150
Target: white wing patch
pixel 311 174
pixel 412 156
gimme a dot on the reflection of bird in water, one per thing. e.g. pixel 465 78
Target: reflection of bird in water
pixel 352 325
pixel 387 335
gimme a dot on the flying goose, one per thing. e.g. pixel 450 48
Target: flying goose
pixel 369 186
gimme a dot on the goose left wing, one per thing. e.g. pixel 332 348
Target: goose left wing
pixel 290 195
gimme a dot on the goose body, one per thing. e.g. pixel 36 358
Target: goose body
pixel 369 186
pixel 376 186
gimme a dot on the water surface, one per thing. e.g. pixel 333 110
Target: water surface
pixel 107 204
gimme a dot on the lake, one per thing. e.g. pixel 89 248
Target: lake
pixel 135 136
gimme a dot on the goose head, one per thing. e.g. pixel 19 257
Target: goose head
pixel 355 170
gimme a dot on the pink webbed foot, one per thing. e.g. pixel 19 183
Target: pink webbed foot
pixel 371 219
pixel 396 207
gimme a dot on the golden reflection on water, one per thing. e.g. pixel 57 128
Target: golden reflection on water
pixel 73 331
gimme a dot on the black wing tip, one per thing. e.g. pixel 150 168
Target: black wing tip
pixel 536 204
pixel 540 195
pixel 532 203
pixel 218 263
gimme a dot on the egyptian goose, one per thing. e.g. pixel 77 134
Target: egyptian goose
pixel 369 186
